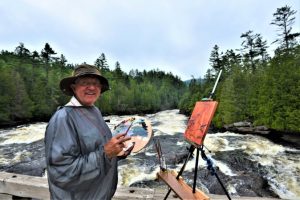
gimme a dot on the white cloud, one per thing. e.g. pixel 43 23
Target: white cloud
pixel 174 35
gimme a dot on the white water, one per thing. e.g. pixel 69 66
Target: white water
pixel 284 168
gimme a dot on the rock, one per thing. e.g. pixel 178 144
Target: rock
pixel 242 124
pixel 31 161
pixel 249 180
pixel 176 158
pixel 245 129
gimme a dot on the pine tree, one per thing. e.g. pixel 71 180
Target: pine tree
pixel 284 19
pixel 46 54
pixel 101 63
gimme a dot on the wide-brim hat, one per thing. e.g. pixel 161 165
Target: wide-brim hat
pixel 79 71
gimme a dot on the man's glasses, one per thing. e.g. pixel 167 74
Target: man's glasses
pixel 85 83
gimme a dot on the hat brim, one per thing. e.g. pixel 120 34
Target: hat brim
pixel 65 84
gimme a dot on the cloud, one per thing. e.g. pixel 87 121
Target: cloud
pixel 172 35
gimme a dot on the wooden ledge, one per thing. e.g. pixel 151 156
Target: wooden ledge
pixel 180 188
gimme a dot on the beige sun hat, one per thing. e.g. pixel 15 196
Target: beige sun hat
pixel 79 71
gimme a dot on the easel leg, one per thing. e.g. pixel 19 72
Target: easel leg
pixel 213 172
pixel 196 171
pixel 191 150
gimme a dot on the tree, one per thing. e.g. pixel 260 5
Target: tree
pixel 249 47
pixel 22 51
pixel 101 63
pixel 229 60
pixel 262 47
pixel 46 54
pixel 20 103
pixel 118 73
pixel 63 60
pixel 284 19
pixel 35 55
pixel 215 60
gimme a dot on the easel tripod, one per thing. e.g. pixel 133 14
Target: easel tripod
pixel 209 167
pixel 195 133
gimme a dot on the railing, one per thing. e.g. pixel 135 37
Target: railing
pixel 32 187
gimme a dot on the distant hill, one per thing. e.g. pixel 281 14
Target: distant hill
pixel 199 80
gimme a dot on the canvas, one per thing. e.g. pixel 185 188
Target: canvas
pixel 199 122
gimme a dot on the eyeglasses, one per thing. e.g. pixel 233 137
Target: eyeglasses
pixel 85 83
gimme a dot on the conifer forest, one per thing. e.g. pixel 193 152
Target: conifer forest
pixel 256 85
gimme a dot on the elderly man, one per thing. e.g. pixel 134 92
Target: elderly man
pixel 81 153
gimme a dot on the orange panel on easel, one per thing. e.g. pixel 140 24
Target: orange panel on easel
pixel 199 121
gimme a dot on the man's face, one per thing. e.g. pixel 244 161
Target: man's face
pixel 87 90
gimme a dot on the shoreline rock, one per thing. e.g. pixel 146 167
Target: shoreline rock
pixel 289 139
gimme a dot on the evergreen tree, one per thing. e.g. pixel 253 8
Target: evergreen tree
pixel 35 55
pixel 284 19
pixel 46 54
pixel 215 59
pixel 249 49
pixel 22 51
pixel 229 60
pixel 262 47
pixel 101 63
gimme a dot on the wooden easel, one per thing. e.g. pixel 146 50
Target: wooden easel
pixel 197 128
pixel 177 184
pixel 195 133
pixel 180 188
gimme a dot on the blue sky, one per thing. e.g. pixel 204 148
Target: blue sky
pixel 171 35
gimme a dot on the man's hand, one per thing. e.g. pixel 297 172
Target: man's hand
pixel 115 145
pixel 127 151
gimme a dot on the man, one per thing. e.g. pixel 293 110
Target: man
pixel 81 153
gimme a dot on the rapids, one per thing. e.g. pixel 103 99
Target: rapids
pixel 248 165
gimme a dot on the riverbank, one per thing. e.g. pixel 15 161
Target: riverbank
pixel 288 139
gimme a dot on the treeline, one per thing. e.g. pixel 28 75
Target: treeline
pixel 29 86
pixel 254 86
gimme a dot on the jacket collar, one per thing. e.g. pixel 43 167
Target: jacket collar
pixel 73 102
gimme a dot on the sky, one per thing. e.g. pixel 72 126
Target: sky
pixel 174 36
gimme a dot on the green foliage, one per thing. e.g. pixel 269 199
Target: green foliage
pixel 29 87
pixel 255 87
pixel 279 94
pixel 284 19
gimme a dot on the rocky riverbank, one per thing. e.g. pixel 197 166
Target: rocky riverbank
pixel 284 138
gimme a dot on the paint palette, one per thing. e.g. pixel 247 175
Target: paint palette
pixel 138 128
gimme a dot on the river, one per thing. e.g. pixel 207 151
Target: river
pixel 248 165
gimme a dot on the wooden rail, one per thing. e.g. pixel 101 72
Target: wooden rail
pixel 32 187
pixel 23 186
pixel 37 188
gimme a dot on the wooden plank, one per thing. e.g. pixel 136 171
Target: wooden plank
pixel 5 197
pixel 37 188
pixel 24 186
pixel 183 190
pixel 161 193
pixel 133 193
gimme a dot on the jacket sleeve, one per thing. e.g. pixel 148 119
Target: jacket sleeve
pixel 67 167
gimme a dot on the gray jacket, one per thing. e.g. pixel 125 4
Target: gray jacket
pixel 77 166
